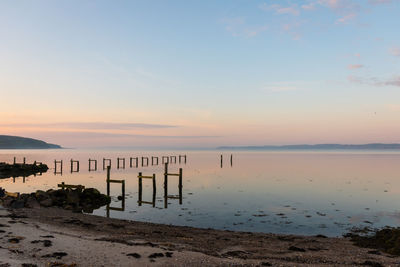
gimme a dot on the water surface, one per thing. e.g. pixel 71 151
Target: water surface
pixel 281 192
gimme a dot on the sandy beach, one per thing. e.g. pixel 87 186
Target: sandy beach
pixel 56 237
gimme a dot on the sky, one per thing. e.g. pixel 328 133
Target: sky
pixel 200 73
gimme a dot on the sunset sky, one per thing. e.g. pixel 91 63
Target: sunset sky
pixel 200 73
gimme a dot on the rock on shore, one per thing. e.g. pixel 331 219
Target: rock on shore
pixel 77 200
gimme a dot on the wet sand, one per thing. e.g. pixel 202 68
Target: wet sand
pixel 51 236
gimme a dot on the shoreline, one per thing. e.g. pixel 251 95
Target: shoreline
pixel 77 239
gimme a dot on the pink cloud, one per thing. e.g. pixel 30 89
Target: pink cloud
pixel 355 66
pixel 346 18
pixel 310 6
pixel 291 10
pixel 395 51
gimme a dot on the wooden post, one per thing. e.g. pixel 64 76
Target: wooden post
pixel 108 180
pixel 154 182
pixel 221 161
pixel 95 165
pixel 72 166
pixel 166 185
pixel 78 166
pixel 140 189
pixel 117 163
pixel 130 162
pixel 180 186
pixel 15 160
pixel 90 165
pixel 231 159
pixel 123 194
pixel 185 159
pixel 61 166
pixel 154 190
pixel 104 163
pixel 24 160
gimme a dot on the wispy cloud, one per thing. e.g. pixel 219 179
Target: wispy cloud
pixel 378 2
pixel 355 66
pixel 88 135
pixel 238 27
pixel 89 125
pixel 283 10
pixel 346 18
pixel 394 81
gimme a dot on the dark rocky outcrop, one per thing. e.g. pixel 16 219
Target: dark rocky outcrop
pixel 77 200
pixel 20 169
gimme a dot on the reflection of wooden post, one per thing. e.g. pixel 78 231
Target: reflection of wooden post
pixel 23 179
pixel 140 189
pixel 108 180
pixel 166 186
pixel 180 186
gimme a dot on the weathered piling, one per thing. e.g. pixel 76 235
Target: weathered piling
pixel 165 159
pixel 108 163
pixel 165 185
pixel 140 186
pixel 90 165
pixel 221 160
pixel 76 163
pixel 180 186
pixel 123 163
pixel 173 159
pixel 131 162
pixel 152 160
pixel 145 159
pixel 182 157
pixel 122 182
pixel 231 160
pixel 56 163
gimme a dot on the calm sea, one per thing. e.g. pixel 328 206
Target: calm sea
pixel 280 192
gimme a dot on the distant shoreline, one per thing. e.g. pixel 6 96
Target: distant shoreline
pixel 375 146
pixel 17 142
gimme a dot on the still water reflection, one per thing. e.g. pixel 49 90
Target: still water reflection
pixel 281 192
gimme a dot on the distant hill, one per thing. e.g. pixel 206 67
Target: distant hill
pixel 16 142
pixel 316 147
